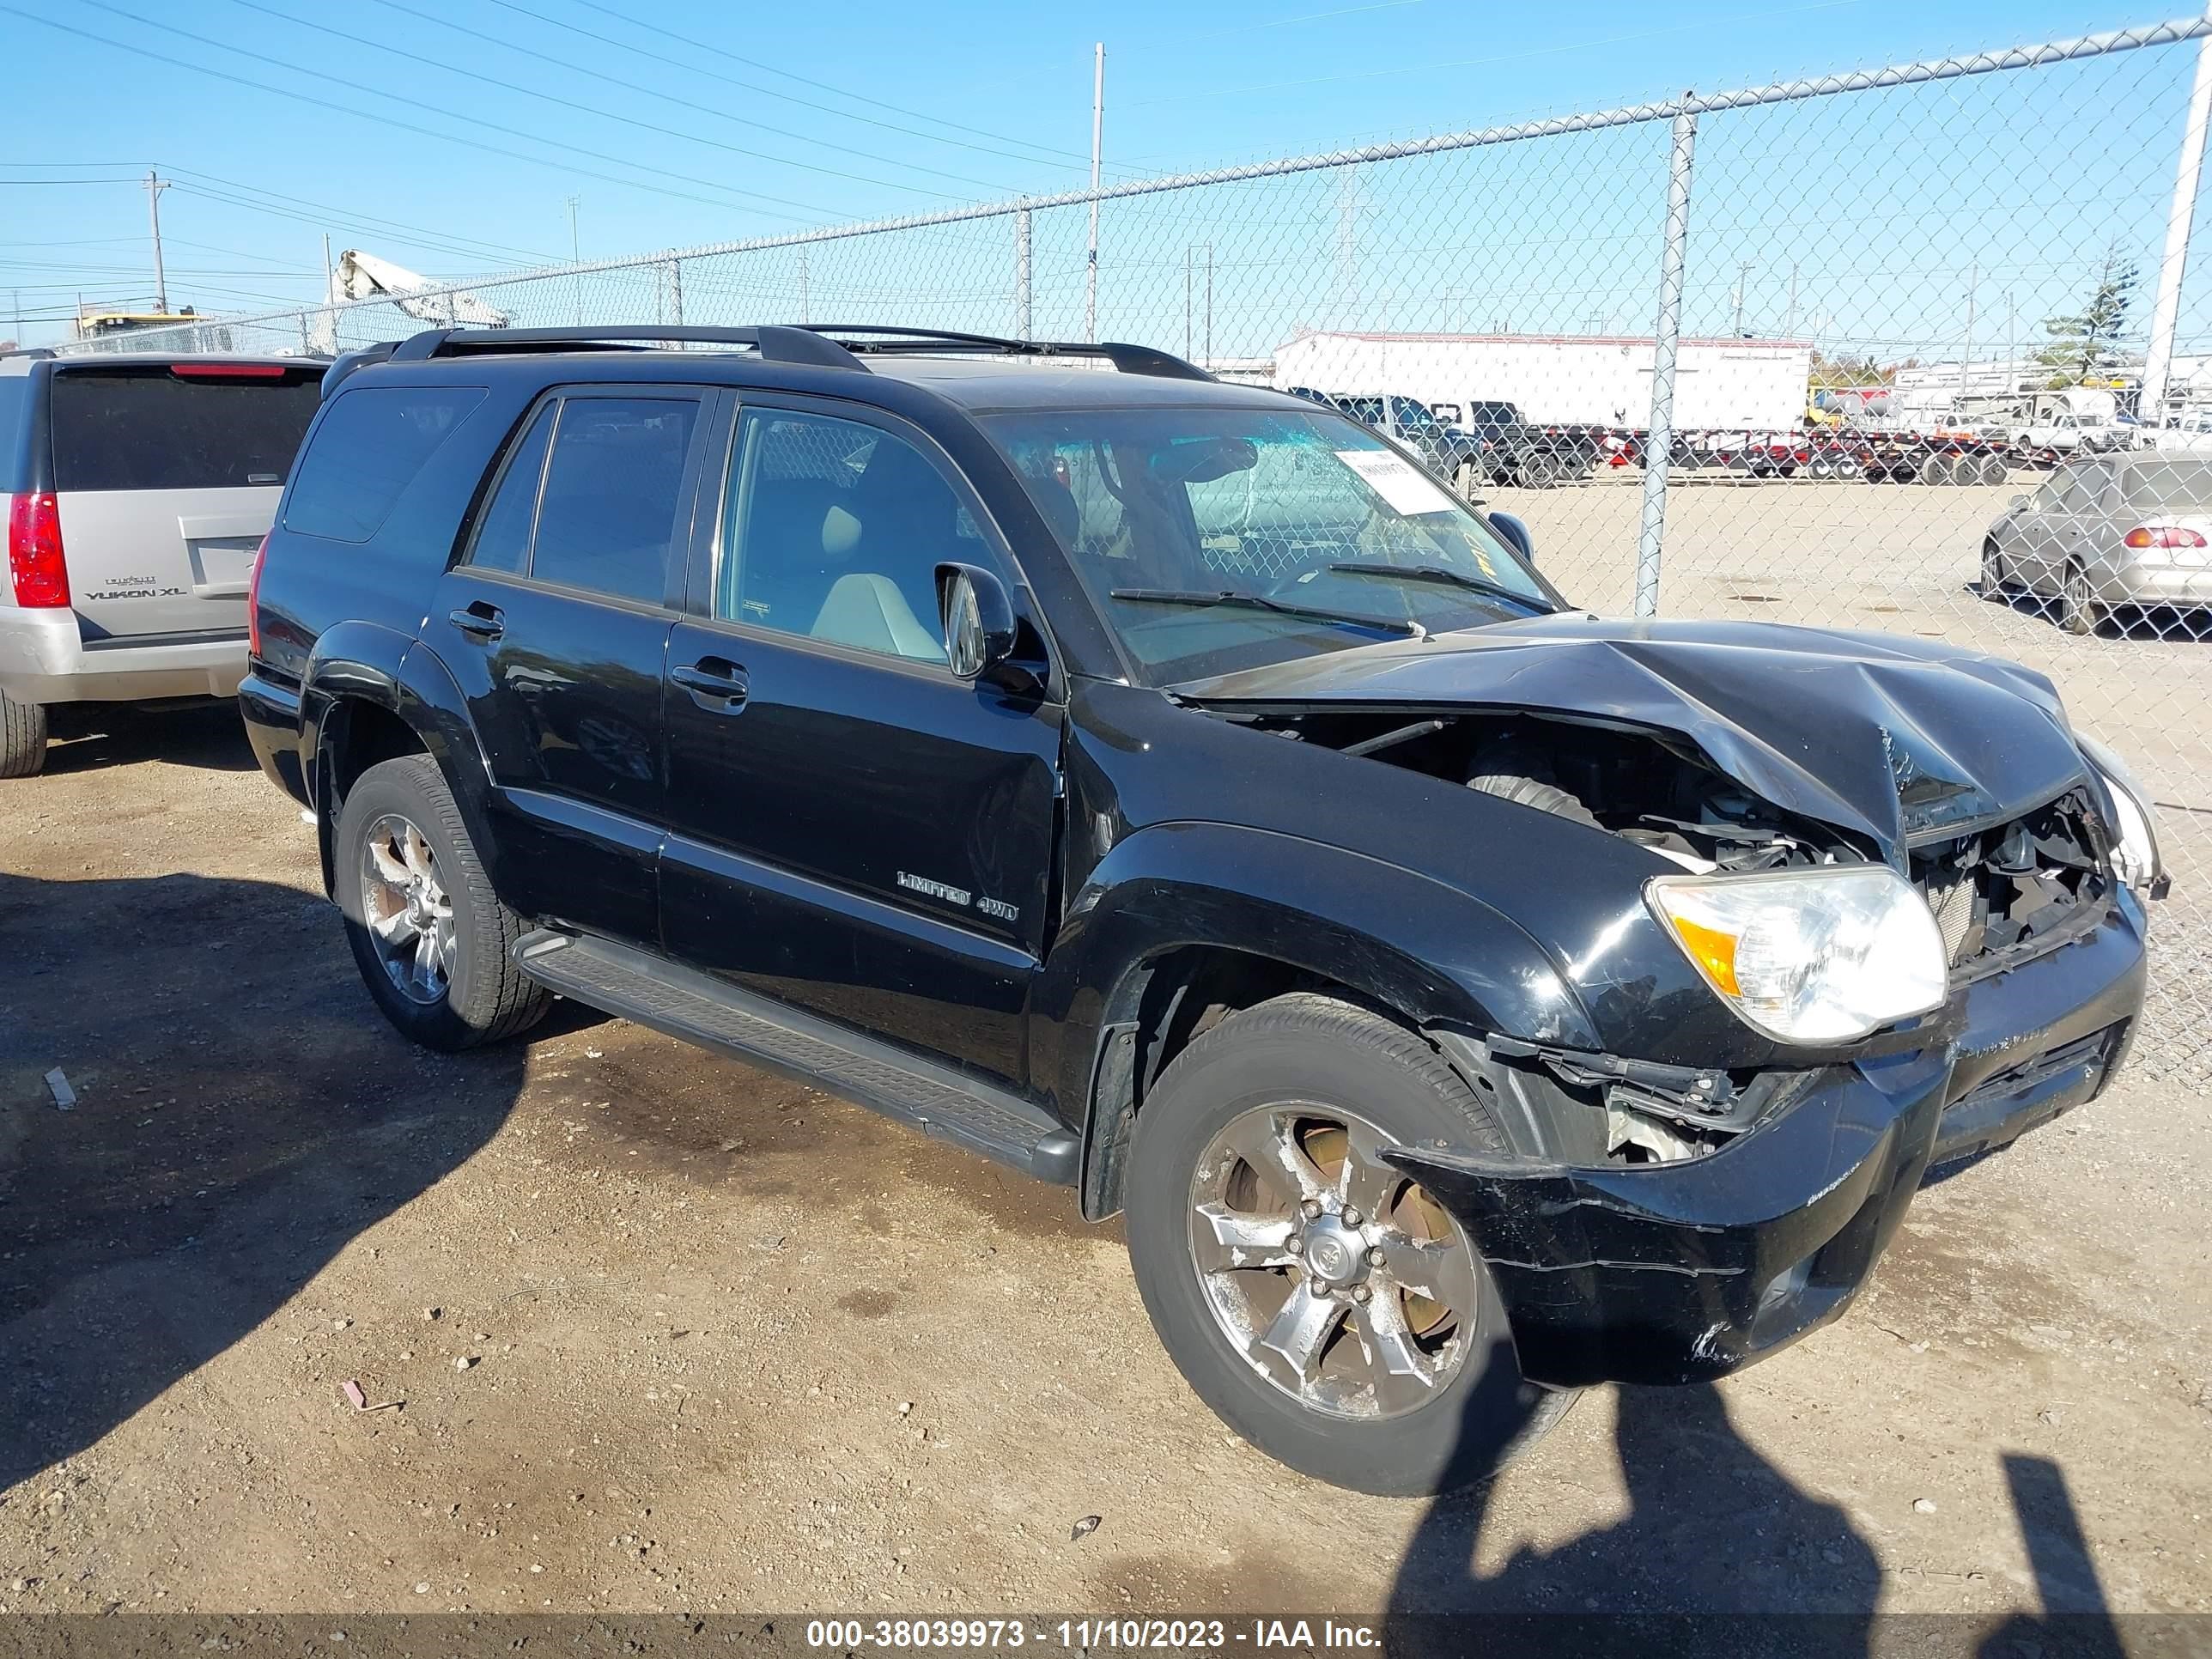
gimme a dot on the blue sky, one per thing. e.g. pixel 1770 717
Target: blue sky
pixel 704 122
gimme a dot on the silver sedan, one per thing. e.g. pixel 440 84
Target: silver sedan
pixel 2106 531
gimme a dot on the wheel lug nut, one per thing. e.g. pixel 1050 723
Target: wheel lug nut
pixel 1360 1293
pixel 1350 1217
pixel 1311 1208
pixel 1375 1256
pixel 1296 1247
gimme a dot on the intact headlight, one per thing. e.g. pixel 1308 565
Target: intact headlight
pixel 2135 857
pixel 1809 955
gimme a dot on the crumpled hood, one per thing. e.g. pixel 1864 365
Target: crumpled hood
pixel 1890 737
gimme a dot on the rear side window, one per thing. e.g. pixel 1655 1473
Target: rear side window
pixel 502 540
pixel 183 429
pixel 368 449
pixel 607 514
pixel 15 404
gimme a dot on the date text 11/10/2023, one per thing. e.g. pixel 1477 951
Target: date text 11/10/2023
pixel 1191 1636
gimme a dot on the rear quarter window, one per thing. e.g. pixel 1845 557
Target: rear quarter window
pixel 154 428
pixel 15 408
pixel 370 447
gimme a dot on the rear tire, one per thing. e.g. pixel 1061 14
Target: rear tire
pixel 1992 469
pixel 470 992
pixel 1278 1076
pixel 23 736
pixel 2079 613
pixel 1538 470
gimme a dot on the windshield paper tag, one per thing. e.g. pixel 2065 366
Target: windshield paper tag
pixel 1397 481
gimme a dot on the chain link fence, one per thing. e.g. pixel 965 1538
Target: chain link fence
pixel 1863 352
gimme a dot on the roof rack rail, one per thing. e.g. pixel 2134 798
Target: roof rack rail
pixel 886 338
pixel 773 343
pixel 28 352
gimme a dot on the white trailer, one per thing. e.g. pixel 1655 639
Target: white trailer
pixel 1560 379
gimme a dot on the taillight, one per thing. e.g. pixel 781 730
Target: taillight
pixel 254 599
pixel 2163 535
pixel 34 551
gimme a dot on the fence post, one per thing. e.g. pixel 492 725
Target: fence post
pixel 1659 438
pixel 1022 320
pixel 2158 362
pixel 676 291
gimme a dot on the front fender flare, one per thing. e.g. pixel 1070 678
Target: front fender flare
pixel 1426 950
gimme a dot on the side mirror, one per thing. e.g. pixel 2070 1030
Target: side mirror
pixel 978 619
pixel 1515 531
pixel 2018 504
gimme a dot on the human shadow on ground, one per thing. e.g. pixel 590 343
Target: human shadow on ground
pixel 242 1112
pixel 1714 1532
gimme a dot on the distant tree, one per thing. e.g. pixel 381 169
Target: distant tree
pixel 1849 371
pixel 2085 347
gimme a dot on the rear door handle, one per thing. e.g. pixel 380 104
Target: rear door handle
pixel 715 683
pixel 485 622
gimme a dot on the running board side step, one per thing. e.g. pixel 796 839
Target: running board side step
pixel 696 1007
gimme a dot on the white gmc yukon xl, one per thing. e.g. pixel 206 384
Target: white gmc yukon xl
pixel 138 488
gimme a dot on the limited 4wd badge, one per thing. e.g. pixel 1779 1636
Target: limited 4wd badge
pixel 960 896
pixel 135 587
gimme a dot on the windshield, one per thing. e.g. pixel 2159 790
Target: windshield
pixel 1180 520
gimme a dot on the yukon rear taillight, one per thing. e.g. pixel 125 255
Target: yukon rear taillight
pixel 2162 535
pixel 253 598
pixel 34 551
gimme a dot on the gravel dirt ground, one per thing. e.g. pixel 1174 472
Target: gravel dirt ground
pixel 643 1329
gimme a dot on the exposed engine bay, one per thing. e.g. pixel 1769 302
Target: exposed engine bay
pixel 2000 893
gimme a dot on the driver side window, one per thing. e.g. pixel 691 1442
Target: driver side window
pixel 833 531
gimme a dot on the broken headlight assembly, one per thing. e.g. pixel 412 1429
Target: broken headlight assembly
pixel 1817 955
pixel 2135 854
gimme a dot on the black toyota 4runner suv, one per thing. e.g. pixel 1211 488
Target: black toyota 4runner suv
pixel 1173 790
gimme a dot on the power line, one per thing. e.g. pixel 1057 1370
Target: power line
pixel 325 213
pixel 1068 158
pixel 325 106
pixel 628 120
pixel 518 132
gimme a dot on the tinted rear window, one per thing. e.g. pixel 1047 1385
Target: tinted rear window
pixel 367 450
pixel 15 401
pixel 141 428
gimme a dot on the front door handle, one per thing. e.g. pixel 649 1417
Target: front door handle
pixel 483 620
pixel 715 683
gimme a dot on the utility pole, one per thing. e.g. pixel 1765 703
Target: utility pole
pixel 1209 302
pixel 154 187
pixel 1097 135
pixel 576 256
pixel 1967 352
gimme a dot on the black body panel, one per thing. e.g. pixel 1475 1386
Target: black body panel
pixel 916 889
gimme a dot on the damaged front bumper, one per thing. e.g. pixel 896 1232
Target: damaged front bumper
pixel 1681 1272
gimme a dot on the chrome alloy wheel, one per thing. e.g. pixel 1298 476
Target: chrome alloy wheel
pixel 1336 1277
pixel 406 909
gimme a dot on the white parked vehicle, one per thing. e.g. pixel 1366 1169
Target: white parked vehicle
pixel 2191 430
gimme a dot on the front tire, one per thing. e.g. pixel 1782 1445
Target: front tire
pixel 1997 583
pixel 1323 1305
pixel 23 736
pixel 433 943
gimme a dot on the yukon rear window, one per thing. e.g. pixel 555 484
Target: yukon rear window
pixel 15 402
pixel 367 450
pixel 184 425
